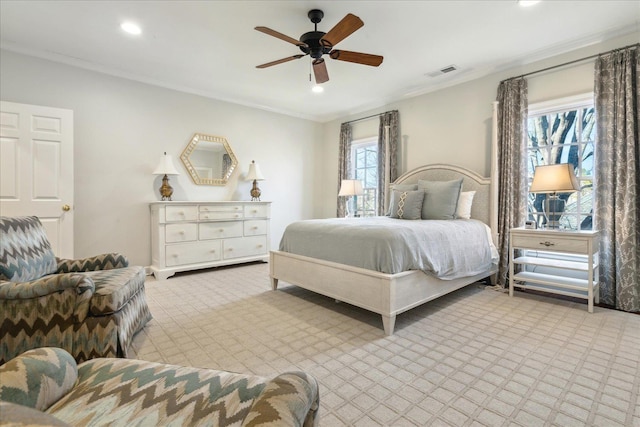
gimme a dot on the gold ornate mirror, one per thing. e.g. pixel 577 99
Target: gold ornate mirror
pixel 209 159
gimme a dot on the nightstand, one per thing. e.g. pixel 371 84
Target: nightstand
pixel 546 253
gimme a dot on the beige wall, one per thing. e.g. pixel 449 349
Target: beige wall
pixel 121 129
pixel 453 125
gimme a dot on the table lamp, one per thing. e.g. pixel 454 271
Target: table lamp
pixel 554 179
pixel 255 175
pixel 166 168
pixel 348 188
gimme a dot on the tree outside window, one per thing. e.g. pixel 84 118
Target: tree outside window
pixel 564 135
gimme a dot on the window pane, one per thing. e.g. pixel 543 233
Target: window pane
pixel 537 128
pixel 588 124
pixel 587 159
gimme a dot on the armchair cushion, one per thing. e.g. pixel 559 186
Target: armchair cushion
pixel 114 288
pixel 25 252
pixel 38 378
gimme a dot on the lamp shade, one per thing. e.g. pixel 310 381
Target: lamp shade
pixel 558 178
pixel 166 167
pixel 350 187
pixel 254 172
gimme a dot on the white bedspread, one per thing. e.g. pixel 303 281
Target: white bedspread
pixel 447 249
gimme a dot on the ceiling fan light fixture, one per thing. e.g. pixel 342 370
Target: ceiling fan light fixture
pixel 131 28
pixel 527 3
pixel 317 89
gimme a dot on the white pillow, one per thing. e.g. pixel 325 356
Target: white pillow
pixel 465 201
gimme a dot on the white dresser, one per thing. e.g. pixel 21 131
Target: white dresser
pixel 192 235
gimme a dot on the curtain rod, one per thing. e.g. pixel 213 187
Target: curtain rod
pixel 569 63
pixel 369 117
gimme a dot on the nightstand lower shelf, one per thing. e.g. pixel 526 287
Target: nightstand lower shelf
pixel 568 286
pixel 564 255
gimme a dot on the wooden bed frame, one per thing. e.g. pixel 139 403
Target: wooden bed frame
pixel 388 294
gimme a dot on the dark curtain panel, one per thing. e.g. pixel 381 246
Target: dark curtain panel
pixel 392 120
pixel 344 165
pixel 512 167
pixel 617 182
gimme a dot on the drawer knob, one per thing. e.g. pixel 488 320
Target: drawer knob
pixel 547 243
pixel 254 228
pixel 222 230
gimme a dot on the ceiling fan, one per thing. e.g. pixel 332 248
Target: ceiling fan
pixel 317 43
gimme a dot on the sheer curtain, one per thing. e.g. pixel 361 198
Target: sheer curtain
pixel 387 156
pixel 512 182
pixel 344 165
pixel 617 180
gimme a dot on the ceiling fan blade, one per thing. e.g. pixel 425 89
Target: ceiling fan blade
pixel 280 36
pixel 342 30
pixel 357 57
pixel 320 71
pixel 280 61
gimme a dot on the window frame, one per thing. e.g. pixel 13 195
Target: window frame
pixel 371 192
pixel 561 105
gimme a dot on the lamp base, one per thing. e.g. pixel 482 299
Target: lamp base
pixel 553 210
pixel 166 191
pixel 255 192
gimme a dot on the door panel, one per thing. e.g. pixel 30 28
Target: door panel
pixel 36 169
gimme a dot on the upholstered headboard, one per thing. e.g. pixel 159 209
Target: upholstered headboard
pixel 481 208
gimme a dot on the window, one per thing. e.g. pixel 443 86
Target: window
pixel 364 166
pixel 564 131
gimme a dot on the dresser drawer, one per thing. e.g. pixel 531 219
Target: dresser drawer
pixel 213 212
pixel 181 213
pixel 180 232
pixel 256 211
pixel 255 227
pixel 218 230
pixel 549 243
pixel 248 246
pixel 192 253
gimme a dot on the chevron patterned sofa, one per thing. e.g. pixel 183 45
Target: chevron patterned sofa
pixel 89 307
pixel 45 387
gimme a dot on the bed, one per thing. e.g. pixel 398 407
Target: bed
pixel 389 294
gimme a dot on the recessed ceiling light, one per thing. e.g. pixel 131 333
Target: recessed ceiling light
pixel 317 89
pixel 527 3
pixel 131 28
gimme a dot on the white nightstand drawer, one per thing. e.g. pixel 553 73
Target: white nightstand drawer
pixel 256 211
pixel 193 253
pixel 550 243
pixel 180 233
pixel 181 213
pixel 255 227
pixel 248 246
pixel 218 230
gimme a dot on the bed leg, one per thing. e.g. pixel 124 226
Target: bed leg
pixel 274 283
pixel 389 323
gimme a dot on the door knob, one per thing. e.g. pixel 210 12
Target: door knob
pixel 66 208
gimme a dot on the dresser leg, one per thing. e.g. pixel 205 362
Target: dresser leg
pixel 274 283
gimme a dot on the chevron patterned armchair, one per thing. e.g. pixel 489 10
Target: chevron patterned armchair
pixel 89 307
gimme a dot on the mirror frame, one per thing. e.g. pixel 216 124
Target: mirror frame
pixel 191 146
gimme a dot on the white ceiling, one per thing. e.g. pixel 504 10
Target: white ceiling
pixel 210 48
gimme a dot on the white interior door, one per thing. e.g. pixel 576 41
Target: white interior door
pixel 36 169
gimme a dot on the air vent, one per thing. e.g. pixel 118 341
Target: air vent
pixel 445 70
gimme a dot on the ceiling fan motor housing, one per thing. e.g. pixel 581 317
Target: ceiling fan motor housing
pixel 314 46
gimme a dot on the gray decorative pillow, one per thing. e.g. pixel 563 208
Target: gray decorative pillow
pixel 406 204
pixel 440 198
pixel 400 187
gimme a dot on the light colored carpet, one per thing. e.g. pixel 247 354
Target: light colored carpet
pixel 474 357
